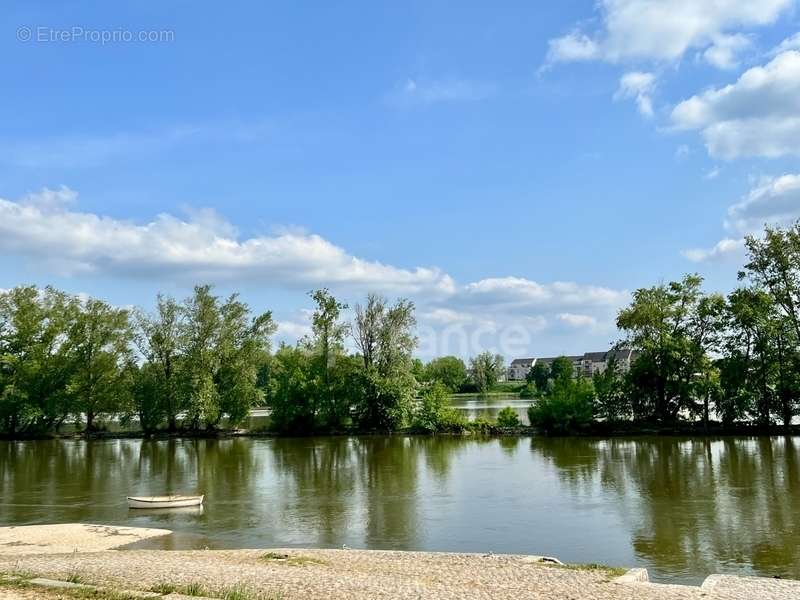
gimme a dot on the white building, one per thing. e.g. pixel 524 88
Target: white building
pixel 584 365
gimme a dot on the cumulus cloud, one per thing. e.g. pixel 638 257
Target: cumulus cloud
pixel 577 321
pixel 638 86
pixel 773 201
pixel 758 115
pixel 425 92
pixel 724 52
pixel 790 43
pixel 44 227
pixel 723 249
pixel 519 292
pixel 664 30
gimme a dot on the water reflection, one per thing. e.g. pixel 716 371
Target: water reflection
pixel 682 507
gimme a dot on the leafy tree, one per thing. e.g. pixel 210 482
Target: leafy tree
pixel 611 402
pixel 100 341
pixel 671 326
pixel 486 369
pixel 242 347
pixel 539 375
pixel 566 409
pixel 434 413
pixel 561 369
pixel 507 417
pixel 327 346
pixel 35 358
pixel 385 339
pixel 159 340
pixel 291 400
pixel 450 371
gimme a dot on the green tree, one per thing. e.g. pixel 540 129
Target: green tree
pixel 672 327
pixel 562 368
pixel 568 407
pixel 507 417
pixel 100 342
pixel 159 340
pixel 199 347
pixel 450 371
pixel 610 403
pixel 433 412
pixel 486 369
pixel 384 336
pixel 327 347
pixel 291 399
pixel 539 375
pixel 242 347
pixel 35 358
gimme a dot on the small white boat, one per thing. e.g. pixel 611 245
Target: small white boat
pixel 164 501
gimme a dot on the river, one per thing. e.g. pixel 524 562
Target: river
pixel 683 508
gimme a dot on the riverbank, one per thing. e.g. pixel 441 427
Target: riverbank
pixel 312 574
pixel 478 428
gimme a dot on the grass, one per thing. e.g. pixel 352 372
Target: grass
pixel 192 588
pixel 9 581
pixel 294 560
pixel 611 571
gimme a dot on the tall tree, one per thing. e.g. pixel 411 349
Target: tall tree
pixel 199 347
pixel 327 346
pixel 159 339
pixel 242 348
pixel 486 369
pixel 450 371
pixel 100 341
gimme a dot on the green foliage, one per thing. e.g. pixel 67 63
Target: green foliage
pixel 529 390
pixel 450 371
pixel 568 408
pixel 507 417
pixel 611 402
pixel 485 370
pixel 538 376
pixel 561 369
pixel 433 412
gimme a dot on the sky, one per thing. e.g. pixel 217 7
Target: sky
pixel 516 170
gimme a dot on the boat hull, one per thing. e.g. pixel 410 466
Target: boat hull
pixel 164 501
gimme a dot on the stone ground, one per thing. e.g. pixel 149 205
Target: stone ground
pixel 367 574
pixel 327 574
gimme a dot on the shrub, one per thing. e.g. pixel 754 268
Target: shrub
pixel 507 418
pixel 528 391
pixel 434 414
pixel 567 408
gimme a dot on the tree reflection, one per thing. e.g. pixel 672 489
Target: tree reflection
pixel 695 505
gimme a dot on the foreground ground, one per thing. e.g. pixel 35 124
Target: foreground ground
pixel 348 574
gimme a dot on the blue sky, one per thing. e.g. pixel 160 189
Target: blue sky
pixel 516 170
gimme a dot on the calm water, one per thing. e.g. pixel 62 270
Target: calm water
pixel 682 508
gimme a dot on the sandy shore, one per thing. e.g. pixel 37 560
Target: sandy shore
pixel 70 537
pixel 292 574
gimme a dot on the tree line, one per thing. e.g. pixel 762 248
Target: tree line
pixel 701 357
pixel 202 363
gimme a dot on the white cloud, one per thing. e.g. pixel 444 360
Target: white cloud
pixel 712 173
pixel 722 249
pixel 292 330
pixel 682 151
pixel 790 43
pixel 204 246
pixel 774 201
pixel 759 115
pixel 639 86
pixel 577 321
pixel 574 46
pixel 724 52
pixel 520 292
pixel 425 92
pixel 664 30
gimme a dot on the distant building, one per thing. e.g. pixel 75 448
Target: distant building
pixel 584 365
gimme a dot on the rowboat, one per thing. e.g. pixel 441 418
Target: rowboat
pixel 164 501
